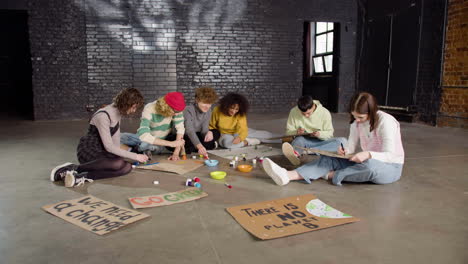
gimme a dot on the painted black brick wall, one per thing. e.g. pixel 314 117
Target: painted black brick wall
pixel 58 56
pixel 251 47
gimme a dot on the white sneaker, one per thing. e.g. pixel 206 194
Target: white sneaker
pixel 73 180
pixel 252 141
pixel 290 153
pixel 58 173
pixel 278 174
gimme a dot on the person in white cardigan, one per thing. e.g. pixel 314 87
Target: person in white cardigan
pixel 380 158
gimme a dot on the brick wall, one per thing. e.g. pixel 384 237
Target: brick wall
pixel 85 51
pixel 58 56
pixel 454 106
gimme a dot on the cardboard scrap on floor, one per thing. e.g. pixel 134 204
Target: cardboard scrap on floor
pixel 288 216
pixel 182 196
pixel 250 152
pixel 94 214
pixel 179 167
pixel 327 153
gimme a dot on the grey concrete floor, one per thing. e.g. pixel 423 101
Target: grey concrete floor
pixel 423 218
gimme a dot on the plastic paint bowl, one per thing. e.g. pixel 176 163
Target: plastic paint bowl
pixel 218 175
pixel 211 163
pixel 244 168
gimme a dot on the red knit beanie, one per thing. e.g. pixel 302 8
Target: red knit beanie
pixel 175 100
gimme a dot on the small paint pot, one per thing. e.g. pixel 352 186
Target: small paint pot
pixel 196 179
pixel 211 163
pixel 197 184
pixel 218 175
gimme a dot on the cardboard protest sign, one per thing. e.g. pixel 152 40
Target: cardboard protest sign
pixel 179 167
pixel 250 152
pixel 94 214
pixel 182 196
pixel 288 216
pixel 327 153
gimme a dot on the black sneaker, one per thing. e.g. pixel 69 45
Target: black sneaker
pixel 73 179
pixel 58 173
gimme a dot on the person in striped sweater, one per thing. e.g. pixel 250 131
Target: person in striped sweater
pixel 158 120
pixel 380 159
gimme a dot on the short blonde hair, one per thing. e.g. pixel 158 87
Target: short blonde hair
pixel 163 108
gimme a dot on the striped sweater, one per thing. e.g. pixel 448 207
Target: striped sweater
pixel 154 125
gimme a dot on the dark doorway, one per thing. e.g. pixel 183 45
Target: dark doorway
pixel 321 62
pixel 391 56
pixel 15 65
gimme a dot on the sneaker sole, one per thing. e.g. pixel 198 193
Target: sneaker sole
pixel 288 151
pixel 269 170
pixel 52 174
pixel 69 180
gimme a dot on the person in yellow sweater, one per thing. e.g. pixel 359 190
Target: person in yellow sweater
pixel 230 118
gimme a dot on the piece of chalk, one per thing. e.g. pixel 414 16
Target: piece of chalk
pixel 155 182
pixel 228 185
pixel 133 166
pixel 194 157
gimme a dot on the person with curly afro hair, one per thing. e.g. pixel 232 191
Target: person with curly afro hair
pixel 230 118
pixel 99 151
pixel 198 137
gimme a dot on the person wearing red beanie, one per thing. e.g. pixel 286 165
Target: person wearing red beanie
pixel 158 120
pixel 175 100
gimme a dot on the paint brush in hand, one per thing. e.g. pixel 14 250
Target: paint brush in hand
pixel 184 155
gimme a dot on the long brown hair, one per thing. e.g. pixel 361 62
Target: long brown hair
pixel 364 103
pixel 127 98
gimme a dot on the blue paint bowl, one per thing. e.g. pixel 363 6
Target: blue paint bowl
pixel 211 163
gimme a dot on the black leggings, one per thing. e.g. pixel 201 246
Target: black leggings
pixel 189 147
pixel 105 168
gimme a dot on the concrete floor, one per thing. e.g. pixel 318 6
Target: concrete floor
pixel 423 218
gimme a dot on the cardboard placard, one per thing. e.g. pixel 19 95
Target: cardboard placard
pixel 250 152
pixel 179 167
pixel 182 196
pixel 326 153
pixel 94 214
pixel 288 216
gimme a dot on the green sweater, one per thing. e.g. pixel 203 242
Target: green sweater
pixel 154 125
pixel 320 120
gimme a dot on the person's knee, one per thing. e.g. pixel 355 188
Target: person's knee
pixel 126 169
pixel 341 140
pixel 299 141
pixel 118 164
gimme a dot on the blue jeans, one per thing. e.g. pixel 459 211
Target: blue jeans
pixel 331 145
pixel 132 140
pixel 371 170
pixel 225 141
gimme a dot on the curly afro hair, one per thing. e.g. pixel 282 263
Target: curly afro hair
pixel 231 99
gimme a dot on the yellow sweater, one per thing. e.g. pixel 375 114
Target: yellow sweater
pixel 236 124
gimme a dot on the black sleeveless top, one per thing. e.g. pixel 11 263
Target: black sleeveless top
pixel 91 147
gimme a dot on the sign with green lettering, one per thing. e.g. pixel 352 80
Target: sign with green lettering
pixel 94 214
pixel 288 216
pixel 186 195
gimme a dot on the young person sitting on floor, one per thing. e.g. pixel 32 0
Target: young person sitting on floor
pixel 158 119
pixel 230 118
pixel 311 118
pixel 380 160
pixel 99 151
pixel 198 137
